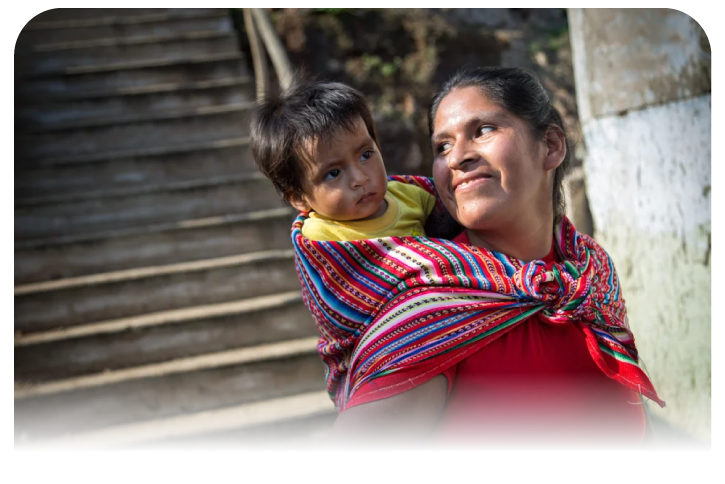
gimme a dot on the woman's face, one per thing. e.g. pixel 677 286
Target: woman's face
pixel 489 167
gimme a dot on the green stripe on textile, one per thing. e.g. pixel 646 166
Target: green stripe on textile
pixel 557 276
pixel 617 355
pixel 574 303
pixel 571 269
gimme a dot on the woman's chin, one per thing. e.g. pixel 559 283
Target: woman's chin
pixel 481 218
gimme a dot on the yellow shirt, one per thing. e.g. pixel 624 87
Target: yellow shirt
pixel 408 208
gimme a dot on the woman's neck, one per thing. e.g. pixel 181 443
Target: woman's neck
pixel 523 241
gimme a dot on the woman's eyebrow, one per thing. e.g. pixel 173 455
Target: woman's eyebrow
pixel 479 118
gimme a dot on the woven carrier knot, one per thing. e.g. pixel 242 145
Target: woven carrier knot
pixel 564 289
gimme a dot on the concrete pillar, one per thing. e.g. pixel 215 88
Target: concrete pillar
pixel 643 93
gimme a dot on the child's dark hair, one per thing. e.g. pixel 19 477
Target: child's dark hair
pixel 282 127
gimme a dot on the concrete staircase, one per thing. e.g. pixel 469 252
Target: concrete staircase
pixel 156 300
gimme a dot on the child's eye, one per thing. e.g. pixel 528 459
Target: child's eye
pixel 484 130
pixel 367 154
pixel 332 174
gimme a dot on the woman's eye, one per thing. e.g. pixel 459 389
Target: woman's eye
pixel 483 130
pixel 332 174
pixel 367 154
pixel 443 147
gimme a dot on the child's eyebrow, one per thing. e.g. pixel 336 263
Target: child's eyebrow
pixel 324 165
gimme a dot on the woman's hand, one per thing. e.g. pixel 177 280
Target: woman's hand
pixel 406 417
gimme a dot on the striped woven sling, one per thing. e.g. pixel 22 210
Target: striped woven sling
pixel 419 305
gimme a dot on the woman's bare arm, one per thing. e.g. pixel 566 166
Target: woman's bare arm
pixel 408 416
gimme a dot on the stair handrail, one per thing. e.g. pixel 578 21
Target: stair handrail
pixel 259 27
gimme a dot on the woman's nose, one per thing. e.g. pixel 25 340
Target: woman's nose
pixel 460 154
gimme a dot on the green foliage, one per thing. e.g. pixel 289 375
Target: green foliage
pixel 534 47
pixel 559 39
pixel 553 40
pixel 374 63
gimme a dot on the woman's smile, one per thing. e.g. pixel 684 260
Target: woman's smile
pixel 470 182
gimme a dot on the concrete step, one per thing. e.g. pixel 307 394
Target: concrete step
pixel 132 154
pixel 132 75
pixel 61 48
pixel 89 212
pixel 160 116
pixel 79 17
pixel 41 99
pixel 66 34
pixel 213 93
pixel 157 337
pixel 298 419
pixel 164 243
pixel 172 389
pixel 205 160
pixel 112 295
pixel 54 60
pixel 293 431
pixel 168 127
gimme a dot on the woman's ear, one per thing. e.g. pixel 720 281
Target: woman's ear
pixel 555 147
pixel 299 202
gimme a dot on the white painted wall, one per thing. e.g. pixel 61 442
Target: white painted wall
pixel 648 182
pixel 716 293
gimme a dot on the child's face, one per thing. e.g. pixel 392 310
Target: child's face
pixel 347 180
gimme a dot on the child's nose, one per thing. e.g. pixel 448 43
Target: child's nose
pixel 359 177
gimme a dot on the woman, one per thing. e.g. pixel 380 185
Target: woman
pixel 500 153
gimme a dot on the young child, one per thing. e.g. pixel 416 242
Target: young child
pixel 318 145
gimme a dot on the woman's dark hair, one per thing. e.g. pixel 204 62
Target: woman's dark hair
pixel 282 126
pixel 520 92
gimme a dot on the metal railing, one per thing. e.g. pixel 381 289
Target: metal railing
pixel 263 39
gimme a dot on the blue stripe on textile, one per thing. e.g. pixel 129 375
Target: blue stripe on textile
pixel 330 298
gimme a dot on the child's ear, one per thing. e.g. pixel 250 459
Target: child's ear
pixel 299 203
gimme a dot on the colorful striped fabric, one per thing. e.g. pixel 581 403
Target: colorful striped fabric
pixel 419 305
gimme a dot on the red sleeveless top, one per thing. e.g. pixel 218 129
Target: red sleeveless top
pixel 536 389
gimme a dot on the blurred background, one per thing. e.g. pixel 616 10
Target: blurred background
pixel 156 300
